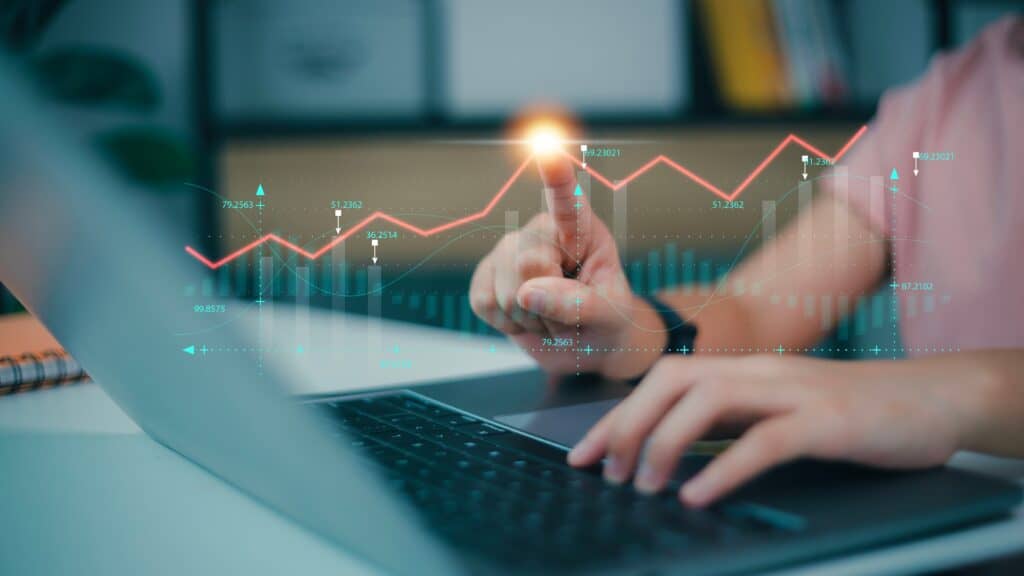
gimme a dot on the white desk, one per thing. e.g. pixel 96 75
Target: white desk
pixel 83 490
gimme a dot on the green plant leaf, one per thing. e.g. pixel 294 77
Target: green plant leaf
pixel 97 77
pixel 149 155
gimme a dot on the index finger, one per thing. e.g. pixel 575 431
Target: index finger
pixel 567 204
pixel 769 443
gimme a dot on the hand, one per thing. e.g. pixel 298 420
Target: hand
pixel 892 414
pixel 557 285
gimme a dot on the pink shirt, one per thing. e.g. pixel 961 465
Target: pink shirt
pixel 959 224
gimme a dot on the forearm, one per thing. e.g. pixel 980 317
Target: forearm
pixel 724 324
pixel 753 308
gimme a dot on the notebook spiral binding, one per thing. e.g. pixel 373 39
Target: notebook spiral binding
pixel 38 371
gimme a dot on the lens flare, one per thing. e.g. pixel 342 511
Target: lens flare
pixel 546 138
pixel 542 130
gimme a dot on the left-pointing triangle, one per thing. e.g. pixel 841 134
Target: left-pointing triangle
pixel 190 350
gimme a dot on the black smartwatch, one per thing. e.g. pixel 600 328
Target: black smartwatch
pixel 681 334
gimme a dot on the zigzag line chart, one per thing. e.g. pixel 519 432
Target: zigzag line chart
pixel 614 186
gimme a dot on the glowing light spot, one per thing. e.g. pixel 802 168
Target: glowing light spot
pixel 546 139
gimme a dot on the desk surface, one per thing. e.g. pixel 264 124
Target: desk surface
pixel 89 492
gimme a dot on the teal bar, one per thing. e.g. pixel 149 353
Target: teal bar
pixel 448 311
pixel 361 281
pixel 465 315
pixel 860 317
pixel 293 260
pixel 689 271
pixel 843 330
pixel 878 309
pixel 415 300
pixel 704 275
pixel 241 275
pixel 224 282
pixel 653 272
pixel 671 266
pixel 432 305
pixel 341 287
pixel 326 277
pixel 636 277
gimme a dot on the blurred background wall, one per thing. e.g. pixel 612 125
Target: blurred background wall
pixel 372 103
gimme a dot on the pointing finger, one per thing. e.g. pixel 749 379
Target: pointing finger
pixel 570 212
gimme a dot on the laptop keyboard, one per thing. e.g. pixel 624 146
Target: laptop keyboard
pixel 500 494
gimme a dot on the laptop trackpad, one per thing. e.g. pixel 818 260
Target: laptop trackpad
pixel 564 425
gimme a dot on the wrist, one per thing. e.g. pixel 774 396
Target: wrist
pixel 644 341
pixel 979 396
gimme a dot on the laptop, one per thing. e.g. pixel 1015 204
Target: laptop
pixel 464 476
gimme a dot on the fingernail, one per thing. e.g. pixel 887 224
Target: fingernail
pixel 577 452
pixel 614 471
pixel 694 493
pixel 534 301
pixel 646 480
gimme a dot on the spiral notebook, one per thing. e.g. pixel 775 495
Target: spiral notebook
pixel 31 359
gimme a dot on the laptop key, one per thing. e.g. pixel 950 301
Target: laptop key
pixel 399 419
pixel 418 424
pixel 509 494
pixel 530 447
pixel 377 406
pixel 455 420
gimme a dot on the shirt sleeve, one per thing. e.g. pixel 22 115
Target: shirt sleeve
pixel 887 145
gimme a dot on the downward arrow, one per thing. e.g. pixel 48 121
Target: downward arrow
pixel 805 175
pixel 374 253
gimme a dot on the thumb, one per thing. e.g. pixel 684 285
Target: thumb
pixel 567 301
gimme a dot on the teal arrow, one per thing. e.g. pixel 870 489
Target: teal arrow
pixel 578 192
pixel 259 191
pixel 190 350
pixel 895 175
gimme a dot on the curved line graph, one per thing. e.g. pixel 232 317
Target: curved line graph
pixel 614 186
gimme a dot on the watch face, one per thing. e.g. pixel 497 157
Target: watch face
pixel 681 334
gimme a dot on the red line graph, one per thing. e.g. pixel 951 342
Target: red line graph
pixel 614 186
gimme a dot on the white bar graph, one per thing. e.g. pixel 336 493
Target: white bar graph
pixel 302 339
pixel 620 220
pixel 841 229
pixel 771 269
pixel 805 227
pixel 339 287
pixel 266 294
pixel 375 341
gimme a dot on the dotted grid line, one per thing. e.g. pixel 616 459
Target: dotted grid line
pixel 259 349
pixel 579 344
pixel 259 288
pixel 876 350
pixel 893 285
